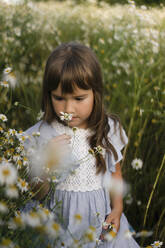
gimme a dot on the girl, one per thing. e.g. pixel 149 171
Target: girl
pixel 73 84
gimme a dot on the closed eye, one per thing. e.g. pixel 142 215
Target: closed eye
pixel 79 98
pixel 58 98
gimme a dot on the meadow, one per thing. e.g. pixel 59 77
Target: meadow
pixel 129 42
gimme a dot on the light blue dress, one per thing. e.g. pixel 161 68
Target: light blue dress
pixel 83 192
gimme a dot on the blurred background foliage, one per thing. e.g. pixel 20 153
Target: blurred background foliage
pixel 129 42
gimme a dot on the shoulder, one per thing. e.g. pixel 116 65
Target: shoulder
pixel 117 134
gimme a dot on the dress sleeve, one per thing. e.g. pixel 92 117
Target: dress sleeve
pixel 116 141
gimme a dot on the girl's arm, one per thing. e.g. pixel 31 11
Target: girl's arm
pixel 117 202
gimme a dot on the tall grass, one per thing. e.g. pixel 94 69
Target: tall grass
pixel 129 43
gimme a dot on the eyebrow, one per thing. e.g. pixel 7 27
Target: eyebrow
pixel 74 95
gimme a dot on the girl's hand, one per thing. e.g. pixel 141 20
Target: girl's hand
pixel 113 218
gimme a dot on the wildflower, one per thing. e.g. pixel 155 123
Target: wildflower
pixel 32 219
pixel 128 199
pixel 90 234
pixel 4 84
pixel 1 130
pixel 12 132
pixel 78 218
pixel 3 207
pixel 22 184
pixel 53 229
pixel 109 236
pixel 36 134
pixel 157 244
pixel 98 149
pixel 65 116
pixel 9 76
pixel 6 243
pixel 3 117
pixel 7 70
pixel 16 222
pixel 128 234
pixel 11 191
pixel 74 129
pixel 8 173
pixel 137 164
pixel 45 214
pixel 40 115
pixel 91 151
pixel 115 186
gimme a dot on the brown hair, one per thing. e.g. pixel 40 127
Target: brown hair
pixel 73 63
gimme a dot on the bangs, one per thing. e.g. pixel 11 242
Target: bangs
pixel 69 73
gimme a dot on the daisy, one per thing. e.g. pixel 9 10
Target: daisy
pixel 157 244
pixel 16 222
pixel 23 185
pixel 6 243
pixel 12 132
pixel 8 173
pixel 90 234
pixel 3 207
pixel 40 115
pixel 12 191
pixel 65 116
pixel 78 218
pixel 98 150
pixel 10 77
pixel 53 229
pixel 109 236
pixel 32 219
pixel 4 84
pixel 7 70
pixel 3 117
pixel 137 164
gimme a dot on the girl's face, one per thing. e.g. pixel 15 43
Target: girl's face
pixel 79 104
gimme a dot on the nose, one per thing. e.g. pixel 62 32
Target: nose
pixel 69 107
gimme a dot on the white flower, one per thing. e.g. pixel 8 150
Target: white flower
pixel 137 164
pixel 45 214
pixel 16 222
pixel 40 115
pixel 12 132
pixel 10 77
pixel 65 116
pixel 128 234
pixel 78 218
pixel 157 244
pixel 6 243
pixel 7 70
pixel 109 236
pixel 12 191
pixel 98 150
pixel 90 234
pixel 128 199
pixel 53 229
pixel 8 173
pixel 4 84
pixel 23 185
pixel 31 219
pixel 36 134
pixel 115 186
pixel 3 117
pixel 3 207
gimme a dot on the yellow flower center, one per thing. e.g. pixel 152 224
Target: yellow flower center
pixel 6 172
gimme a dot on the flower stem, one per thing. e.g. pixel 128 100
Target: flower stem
pixel 153 189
